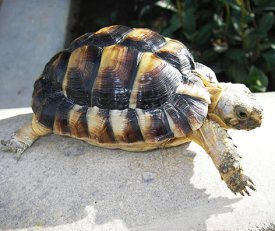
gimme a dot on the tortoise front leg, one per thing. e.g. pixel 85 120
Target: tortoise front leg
pixel 24 137
pixel 220 147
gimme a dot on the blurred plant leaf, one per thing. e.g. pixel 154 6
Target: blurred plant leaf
pixel 234 37
pixel 236 71
pixel 266 22
pixel 269 58
pixel 175 23
pixel 258 81
pixel 236 54
pixel 208 56
pixel 144 10
pixel 218 20
pixel 252 38
pixel 203 34
pixel 267 45
pixel 264 3
pixel 189 22
pixel 166 4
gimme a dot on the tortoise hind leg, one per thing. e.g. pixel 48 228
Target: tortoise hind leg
pixel 24 137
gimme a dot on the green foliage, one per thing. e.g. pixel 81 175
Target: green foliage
pixel 236 38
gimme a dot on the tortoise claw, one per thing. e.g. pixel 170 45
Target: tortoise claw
pixel 251 186
pixel 15 146
pixel 239 183
pixel 247 193
pixel 251 181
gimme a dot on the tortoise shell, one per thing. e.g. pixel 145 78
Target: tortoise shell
pixel 121 85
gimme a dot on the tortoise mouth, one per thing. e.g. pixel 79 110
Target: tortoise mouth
pixel 248 124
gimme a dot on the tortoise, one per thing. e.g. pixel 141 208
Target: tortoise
pixel 133 89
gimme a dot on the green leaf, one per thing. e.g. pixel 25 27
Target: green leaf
pixel 269 57
pixel 189 22
pixel 266 22
pixel 236 54
pixel 265 3
pixel 220 46
pixel 203 34
pixel 252 38
pixel 233 3
pixel 208 56
pixel 236 71
pixel 258 81
pixel 174 24
pixel 267 45
pixel 166 4
pixel 144 10
pixel 218 20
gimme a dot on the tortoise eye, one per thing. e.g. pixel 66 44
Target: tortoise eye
pixel 241 113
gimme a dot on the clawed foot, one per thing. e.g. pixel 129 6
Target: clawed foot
pixel 13 145
pixel 237 182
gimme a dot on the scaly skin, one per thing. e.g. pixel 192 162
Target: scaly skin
pixel 24 138
pixel 220 147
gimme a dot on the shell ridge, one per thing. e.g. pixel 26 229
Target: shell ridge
pixel 154 125
pixel 125 126
pixel 191 108
pixel 113 85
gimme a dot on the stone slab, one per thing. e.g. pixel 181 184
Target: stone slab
pixel 64 184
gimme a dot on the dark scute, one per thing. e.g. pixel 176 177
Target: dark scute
pixel 58 69
pixel 54 71
pixel 146 99
pixel 160 129
pixel 133 133
pixel 62 115
pixel 178 118
pixel 156 90
pixel 42 88
pixel 170 58
pixel 80 41
pixel 76 88
pixel 182 62
pixel 149 44
pixel 47 108
pixel 189 106
pixel 110 38
pixel 111 98
pixel 49 85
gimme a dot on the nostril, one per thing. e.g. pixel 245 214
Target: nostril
pixel 259 110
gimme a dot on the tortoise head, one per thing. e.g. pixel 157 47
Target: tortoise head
pixel 238 108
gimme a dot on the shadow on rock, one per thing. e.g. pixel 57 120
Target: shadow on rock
pixel 61 181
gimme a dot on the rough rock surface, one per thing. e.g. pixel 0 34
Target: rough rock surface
pixel 65 184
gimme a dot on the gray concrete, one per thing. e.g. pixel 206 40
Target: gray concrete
pixel 31 32
pixel 65 184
